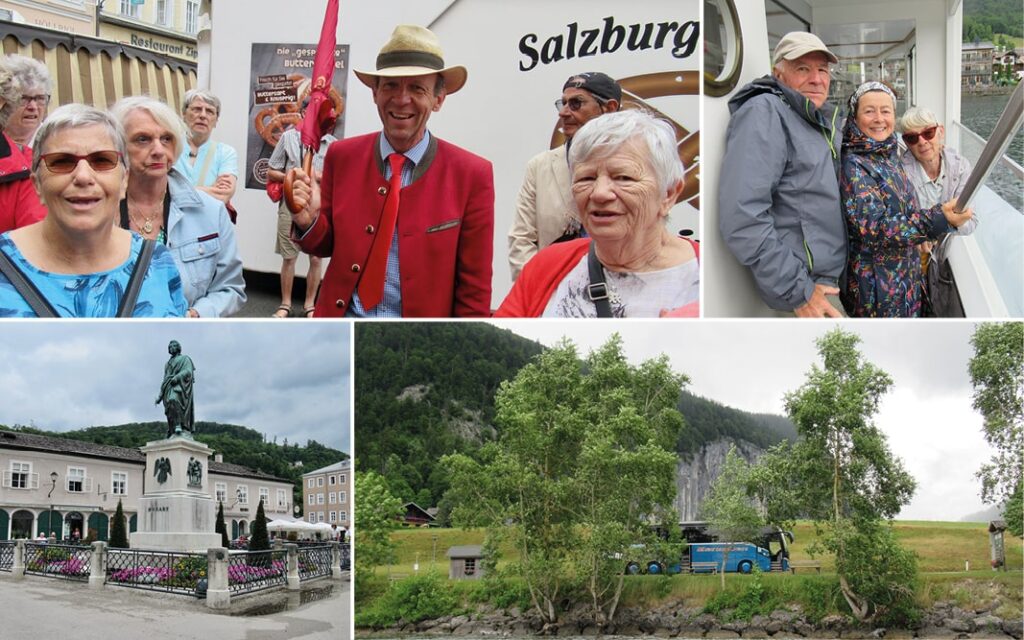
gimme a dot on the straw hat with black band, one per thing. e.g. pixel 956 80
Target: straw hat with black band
pixel 413 51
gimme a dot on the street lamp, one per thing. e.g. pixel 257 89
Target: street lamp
pixel 49 514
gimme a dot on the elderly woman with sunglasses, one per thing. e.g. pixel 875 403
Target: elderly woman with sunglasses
pixel 884 222
pixel 938 174
pixel 75 262
pixel 19 204
pixel 161 204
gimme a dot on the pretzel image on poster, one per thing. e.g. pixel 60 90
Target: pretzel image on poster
pixel 656 85
pixel 273 121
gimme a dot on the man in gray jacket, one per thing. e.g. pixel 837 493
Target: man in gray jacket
pixel 778 197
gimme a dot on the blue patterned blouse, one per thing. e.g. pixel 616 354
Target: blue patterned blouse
pixel 97 295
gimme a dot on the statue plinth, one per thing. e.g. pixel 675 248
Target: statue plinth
pixel 176 511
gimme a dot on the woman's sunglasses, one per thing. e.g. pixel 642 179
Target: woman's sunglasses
pixel 68 162
pixel 927 134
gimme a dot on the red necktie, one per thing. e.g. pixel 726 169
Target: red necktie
pixel 371 285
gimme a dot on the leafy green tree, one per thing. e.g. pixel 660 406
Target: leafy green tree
pixel 259 540
pixel 376 515
pixel 728 508
pixel 848 482
pixel 118 529
pixel 1014 512
pixel 584 460
pixel 220 527
pixel 997 373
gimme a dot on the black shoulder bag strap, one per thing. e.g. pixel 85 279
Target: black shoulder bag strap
pixel 131 292
pixel 598 289
pixel 28 291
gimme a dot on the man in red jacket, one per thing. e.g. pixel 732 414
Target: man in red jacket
pixel 407 219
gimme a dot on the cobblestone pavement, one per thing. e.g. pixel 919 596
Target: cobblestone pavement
pixel 47 608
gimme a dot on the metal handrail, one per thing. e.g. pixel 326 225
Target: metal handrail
pixel 1009 122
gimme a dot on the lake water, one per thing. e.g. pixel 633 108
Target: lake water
pixel 980 114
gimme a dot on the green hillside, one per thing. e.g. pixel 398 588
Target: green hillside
pixel 984 18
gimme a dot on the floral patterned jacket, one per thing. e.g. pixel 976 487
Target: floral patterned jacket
pixel 885 225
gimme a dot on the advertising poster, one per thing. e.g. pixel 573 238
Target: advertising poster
pixel 279 80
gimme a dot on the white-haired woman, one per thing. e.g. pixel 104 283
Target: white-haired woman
pixel 938 174
pixel 19 204
pixel 75 262
pixel 35 98
pixel 162 205
pixel 626 176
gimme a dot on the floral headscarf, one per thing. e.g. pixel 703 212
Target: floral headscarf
pixel 864 88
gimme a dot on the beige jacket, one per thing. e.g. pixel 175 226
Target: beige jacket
pixel 544 208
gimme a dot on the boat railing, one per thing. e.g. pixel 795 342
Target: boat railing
pixel 989 264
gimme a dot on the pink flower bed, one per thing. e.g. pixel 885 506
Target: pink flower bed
pixel 142 574
pixel 242 573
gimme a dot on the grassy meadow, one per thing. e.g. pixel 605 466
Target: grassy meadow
pixel 942 547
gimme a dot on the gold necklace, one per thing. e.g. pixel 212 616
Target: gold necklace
pixel 147 223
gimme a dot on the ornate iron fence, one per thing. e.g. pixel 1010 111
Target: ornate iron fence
pixel 346 556
pixel 171 571
pixel 251 571
pixel 70 562
pixel 6 555
pixel 314 562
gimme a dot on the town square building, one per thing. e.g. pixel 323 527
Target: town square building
pixel 59 486
pixel 327 494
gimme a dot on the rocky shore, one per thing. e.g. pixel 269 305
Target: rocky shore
pixel 671 620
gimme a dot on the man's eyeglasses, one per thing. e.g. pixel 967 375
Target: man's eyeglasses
pixel 575 103
pixel 927 134
pixel 68 162
pixel 41 99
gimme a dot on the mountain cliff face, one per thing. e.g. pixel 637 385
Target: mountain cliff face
pixel 694 476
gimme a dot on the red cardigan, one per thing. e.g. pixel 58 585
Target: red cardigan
pixel 544 272
pixel 19 203
pixel 445 228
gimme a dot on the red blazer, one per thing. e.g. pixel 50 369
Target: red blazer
pixel 445 228
pixel 19 203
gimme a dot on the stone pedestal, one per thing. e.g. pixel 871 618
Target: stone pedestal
pixel 176 511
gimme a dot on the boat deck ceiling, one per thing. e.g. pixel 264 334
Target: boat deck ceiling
pixel 872 39
pixel 865 40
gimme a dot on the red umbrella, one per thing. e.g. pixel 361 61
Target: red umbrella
pixel 320 112
pixel 320 115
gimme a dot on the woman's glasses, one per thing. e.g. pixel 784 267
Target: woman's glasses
pixel 927 134
pixel 68 162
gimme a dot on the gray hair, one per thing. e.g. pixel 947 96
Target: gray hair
pixel 77 116
pixel 200 94
pixel 30 72
pixel 10 92
pixel 604 136
pixel 161 112
pixel 916 118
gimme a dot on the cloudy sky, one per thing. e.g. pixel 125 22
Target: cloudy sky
pixel 927 415
pixel 284 379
